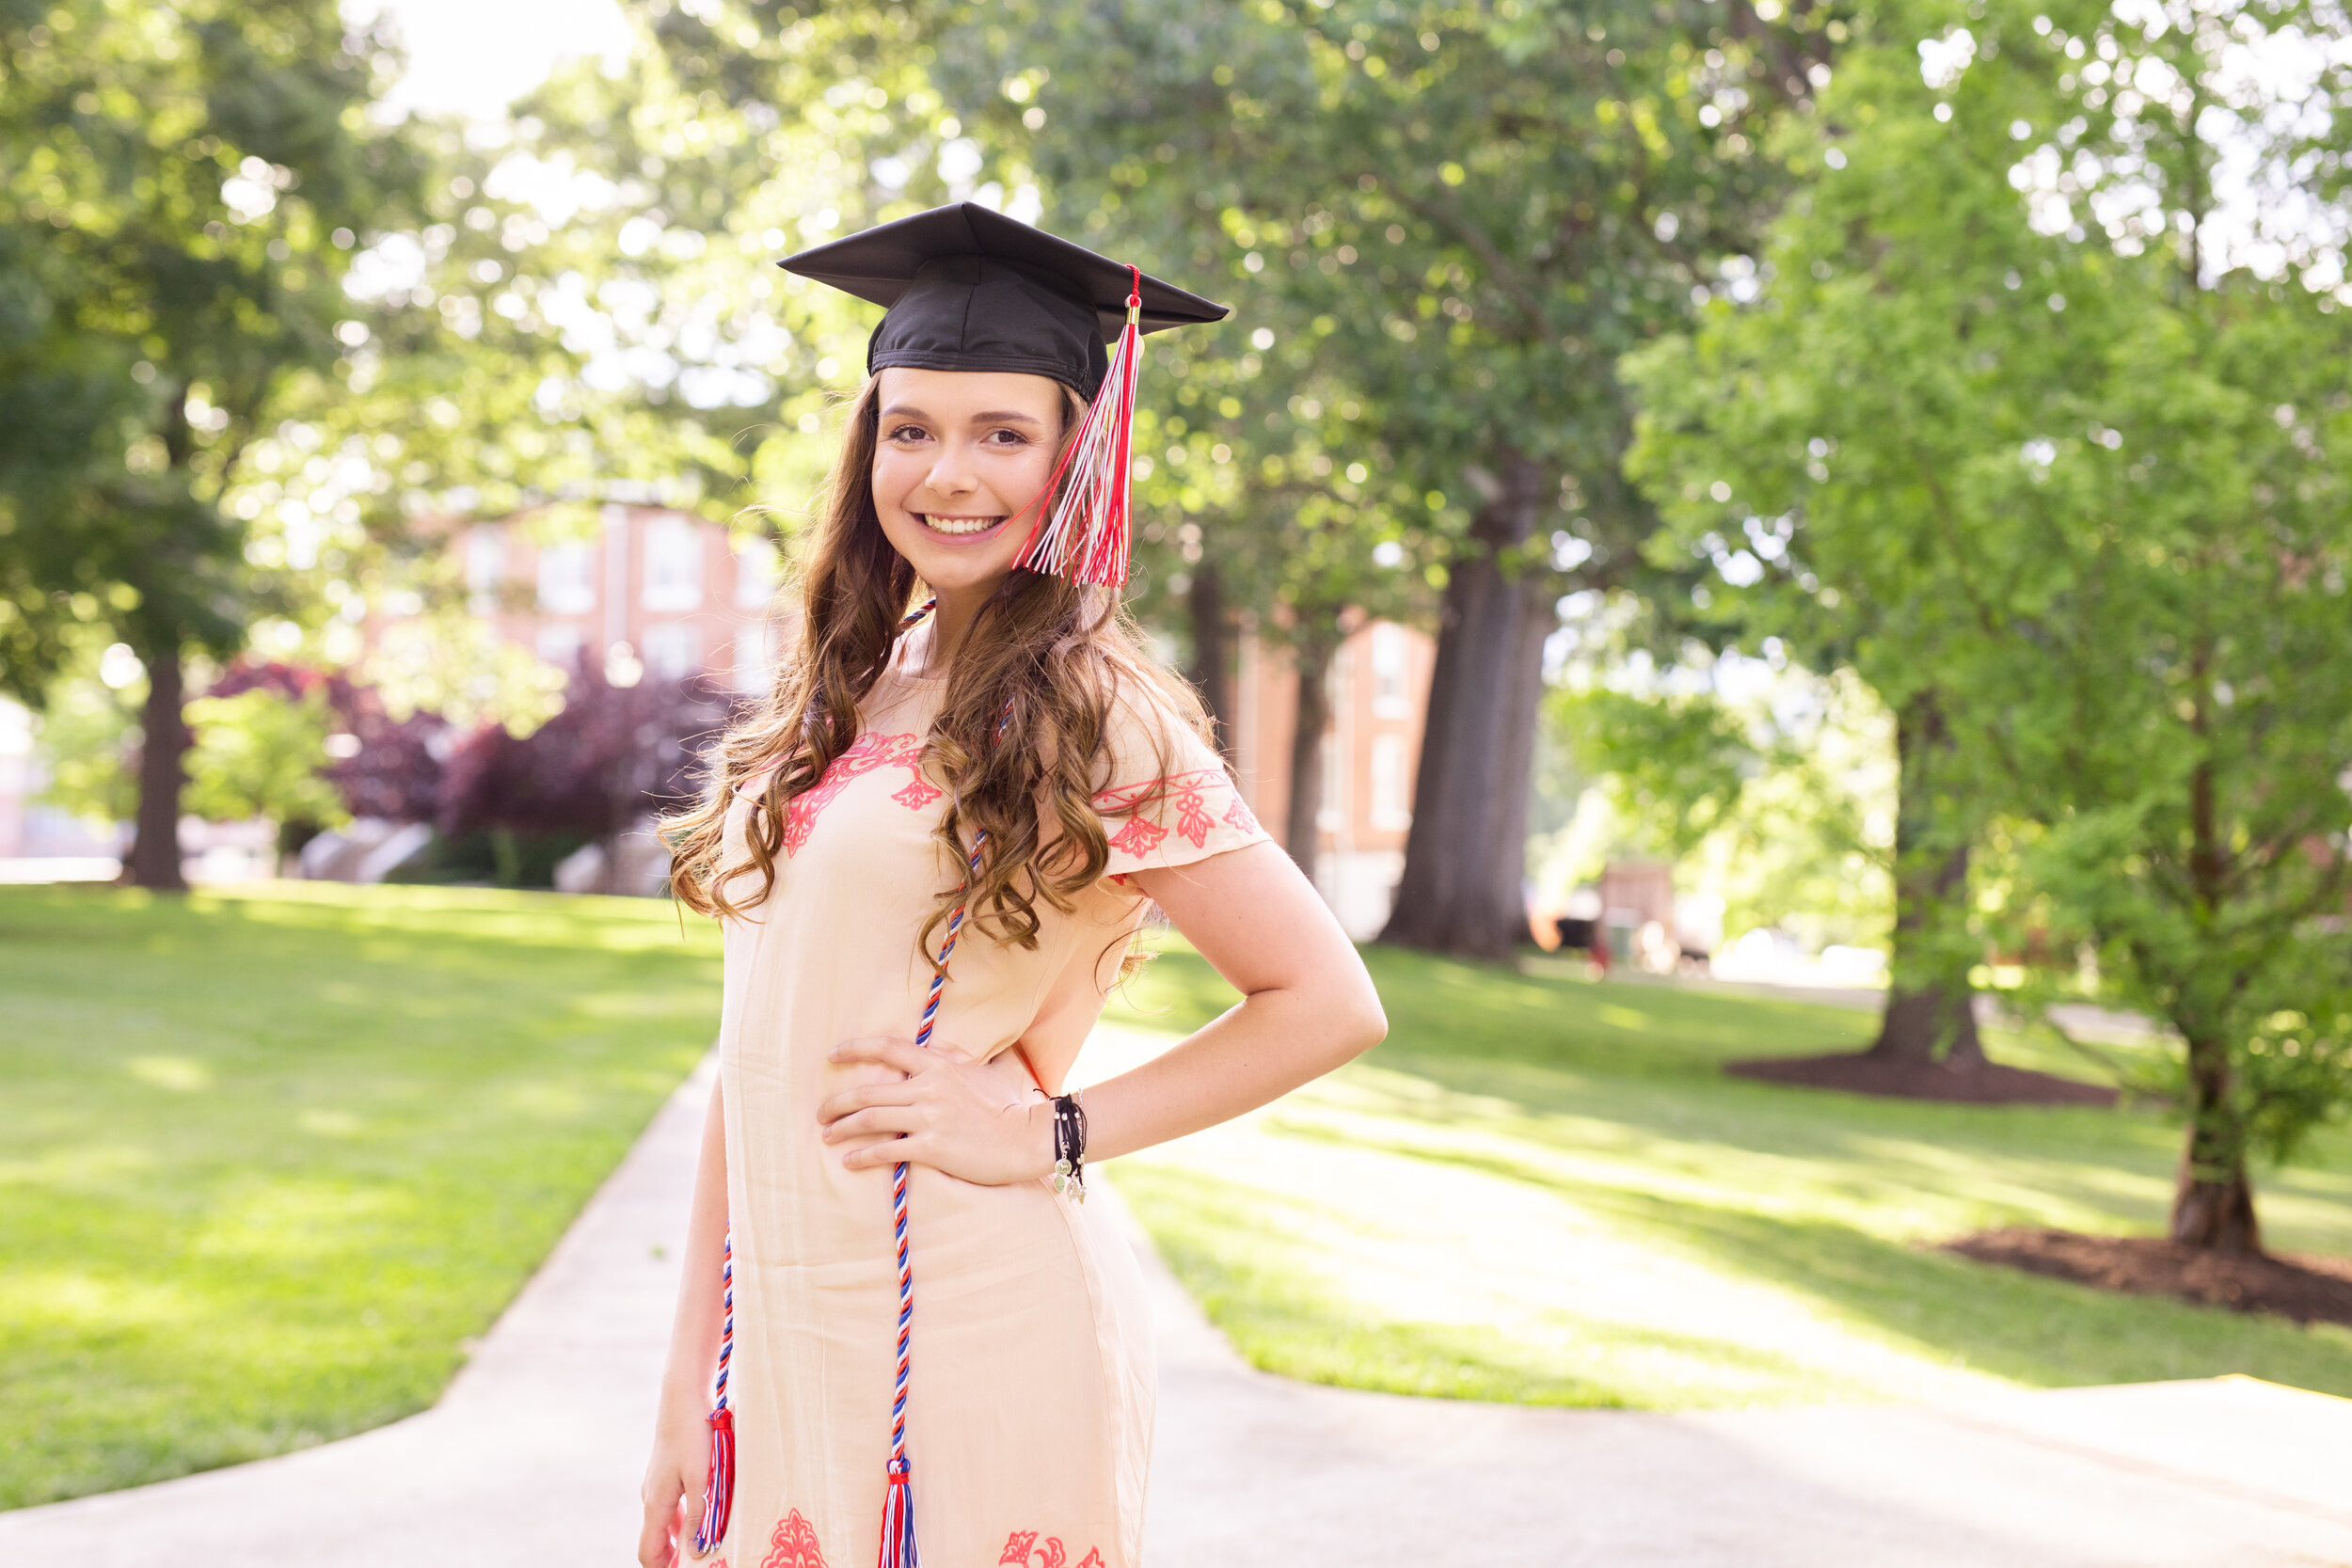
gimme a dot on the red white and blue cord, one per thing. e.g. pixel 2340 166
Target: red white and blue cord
pixel 897 1529
pixel 719 1492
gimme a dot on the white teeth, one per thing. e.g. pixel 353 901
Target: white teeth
pixel 959 525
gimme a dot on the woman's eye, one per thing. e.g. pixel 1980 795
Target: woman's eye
pixel 907 433
pixel 1007 438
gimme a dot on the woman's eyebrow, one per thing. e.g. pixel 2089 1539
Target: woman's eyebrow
pixel 903 411
pixel 1006 416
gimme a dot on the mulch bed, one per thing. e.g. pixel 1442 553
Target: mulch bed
pixel 1978 1083
pixel 2306 1289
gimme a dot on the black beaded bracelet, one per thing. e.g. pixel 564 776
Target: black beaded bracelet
pixel 1070 1145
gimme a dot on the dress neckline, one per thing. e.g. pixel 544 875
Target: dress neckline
pixel 913 650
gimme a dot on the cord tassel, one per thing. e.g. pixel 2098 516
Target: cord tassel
pixel 719 1491
pixel 1087 538
pixel 898 1527
pixel 719 1495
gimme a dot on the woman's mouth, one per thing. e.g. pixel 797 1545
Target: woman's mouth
pixel 958 527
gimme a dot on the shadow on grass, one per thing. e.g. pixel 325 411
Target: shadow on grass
pixel 2099 1160
pixel 2029 1329
pixel 1231 1245
pixel 1612 1096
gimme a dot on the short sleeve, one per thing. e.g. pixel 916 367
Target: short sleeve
pixel 1171 801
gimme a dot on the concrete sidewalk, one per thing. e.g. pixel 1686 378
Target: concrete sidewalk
pixel 533 1456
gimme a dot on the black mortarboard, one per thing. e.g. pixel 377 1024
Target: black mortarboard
pixel 969 289
pixel 965 288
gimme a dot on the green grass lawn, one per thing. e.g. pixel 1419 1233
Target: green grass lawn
pixel 269 1157
pixel 1544 1189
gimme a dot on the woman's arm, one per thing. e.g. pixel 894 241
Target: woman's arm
pixel 681 1446
pixel 1307 1007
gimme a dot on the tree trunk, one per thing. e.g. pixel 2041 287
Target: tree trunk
pixel 1211 671
pixel 2213 1203
pixel 162 774
pixel 1302 833
pixel 1930 1008
pixel 1466 853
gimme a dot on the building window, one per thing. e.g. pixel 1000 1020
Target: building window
pixel 756 659
pixel 755 574
pixel 567 583
pixel 560 646
pixel 1330 811
pixel 485 567
pixel 1391 790
pixel 673 565
pixel 673 651
pixel 1392 653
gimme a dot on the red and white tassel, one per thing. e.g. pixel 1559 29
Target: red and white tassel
pixel 1086 537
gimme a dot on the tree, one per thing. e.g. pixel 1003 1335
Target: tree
pixel 739 132
pixel 369 763
pixel 1473 213
pixel 197 176
pixel 394 769
pixel 612 755
pixel 261 754
pixel 2095 507
pixel 90 730
pixel 1777 794
pixel 2185 747
pixel 1803 440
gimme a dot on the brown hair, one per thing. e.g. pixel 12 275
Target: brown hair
pixel 1046 659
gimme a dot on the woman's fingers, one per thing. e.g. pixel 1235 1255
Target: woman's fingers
pixel 655 1547
pixel 966 1118
pixel 876 1119
pixel 904 1054
pixel 859 1097
pixel 914 1147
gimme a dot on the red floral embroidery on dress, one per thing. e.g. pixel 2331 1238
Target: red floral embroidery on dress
pixel 1192 817
pixel 1140 836
pixel 794 1545
pixel 867 754
pixel 1022 1548
pixel 1240 817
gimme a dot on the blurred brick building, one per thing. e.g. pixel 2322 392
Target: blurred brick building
pixel 654 587
pixel 1379 699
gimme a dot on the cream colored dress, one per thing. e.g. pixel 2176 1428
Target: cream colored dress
pixel 1029 1420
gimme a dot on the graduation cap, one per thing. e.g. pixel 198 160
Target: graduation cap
pixel 966 287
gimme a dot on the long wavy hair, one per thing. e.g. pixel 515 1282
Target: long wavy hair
pixel 1020 743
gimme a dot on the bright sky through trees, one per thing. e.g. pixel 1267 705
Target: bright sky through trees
pixel 475 56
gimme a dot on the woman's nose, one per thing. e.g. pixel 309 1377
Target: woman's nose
pixel 951 475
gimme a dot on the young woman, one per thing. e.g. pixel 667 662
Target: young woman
pixel 968 744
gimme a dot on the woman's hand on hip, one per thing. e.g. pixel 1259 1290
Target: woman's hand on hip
pixel 955 1114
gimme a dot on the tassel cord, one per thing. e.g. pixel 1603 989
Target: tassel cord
pixel 719 1491
pixel 1085 537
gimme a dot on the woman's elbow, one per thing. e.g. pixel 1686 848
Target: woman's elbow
pixel 1362 1021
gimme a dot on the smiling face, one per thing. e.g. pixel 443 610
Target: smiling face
pixel 957 455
